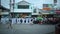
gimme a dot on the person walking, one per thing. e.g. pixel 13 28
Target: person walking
pixel 10 24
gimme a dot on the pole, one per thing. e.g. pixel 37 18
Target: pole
pixel 12 3
pixel 0 2
pixel 0 11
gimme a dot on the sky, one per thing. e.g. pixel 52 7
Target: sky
pixel 37 3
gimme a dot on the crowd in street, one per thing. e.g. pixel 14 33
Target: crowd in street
pixel 45 20
pixel 34 20
pixel 31 20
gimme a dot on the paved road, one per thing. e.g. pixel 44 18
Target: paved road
pixel 27 29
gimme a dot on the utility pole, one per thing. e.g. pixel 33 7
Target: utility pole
pixel 12 3
pixel 0 2
pixel 0 11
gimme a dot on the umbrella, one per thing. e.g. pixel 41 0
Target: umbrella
pixel 39 18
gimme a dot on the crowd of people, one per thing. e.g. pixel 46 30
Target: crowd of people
pixel 46 20
pixel 38 20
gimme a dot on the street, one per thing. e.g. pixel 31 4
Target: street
pixel 27 29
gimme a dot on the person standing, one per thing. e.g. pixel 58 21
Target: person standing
pixel 44 20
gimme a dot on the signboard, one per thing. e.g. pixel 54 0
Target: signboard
pixel 46 8
pixel 57 11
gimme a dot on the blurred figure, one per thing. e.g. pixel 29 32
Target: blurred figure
pixel 10 24
pixel 32 21
pixel 45 20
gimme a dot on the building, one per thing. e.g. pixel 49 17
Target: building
pixel 32 9
pixel 23 9
pixel 4 12
pixel 57 6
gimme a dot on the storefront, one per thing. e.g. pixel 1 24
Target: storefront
pixel 19 15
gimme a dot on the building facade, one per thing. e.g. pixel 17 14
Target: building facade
pixel 24 9
pixel 4 12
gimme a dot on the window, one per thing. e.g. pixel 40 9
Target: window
pixel 0 2
pixel 55 1
pixel 34 11
pixel 45 5
pixel 23 6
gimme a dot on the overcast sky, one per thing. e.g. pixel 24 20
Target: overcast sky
pixel 37 3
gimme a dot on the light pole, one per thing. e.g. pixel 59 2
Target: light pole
pixel 0 11
pixel 12 2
